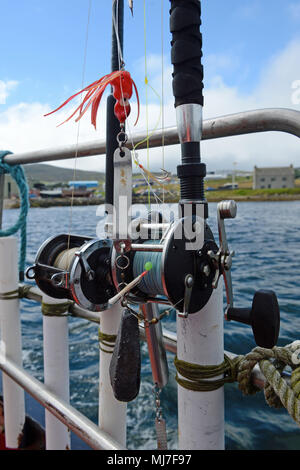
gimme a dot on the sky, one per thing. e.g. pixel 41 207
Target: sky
pixel 251 52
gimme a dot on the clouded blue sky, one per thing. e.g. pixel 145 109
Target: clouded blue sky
pixel 251 60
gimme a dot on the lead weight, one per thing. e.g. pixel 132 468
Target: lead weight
pixel 125 366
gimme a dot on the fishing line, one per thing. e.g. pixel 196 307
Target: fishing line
pixel 122 64
pixel 146 92
pixel 162 92
pixel 79 122
pixel 146 173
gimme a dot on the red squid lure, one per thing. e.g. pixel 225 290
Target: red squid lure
pixel 122 85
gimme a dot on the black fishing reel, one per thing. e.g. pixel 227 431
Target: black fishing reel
pixel 182 271
pixel 76 268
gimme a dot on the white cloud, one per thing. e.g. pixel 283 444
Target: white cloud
pixel 23 127
pixel 5 88
pixel 294 9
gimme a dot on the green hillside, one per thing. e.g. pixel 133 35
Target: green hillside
pixel 40 172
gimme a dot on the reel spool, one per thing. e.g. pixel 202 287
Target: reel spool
pixel 170 269
pixel 76 268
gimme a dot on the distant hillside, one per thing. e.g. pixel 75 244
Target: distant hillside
pixel 40 172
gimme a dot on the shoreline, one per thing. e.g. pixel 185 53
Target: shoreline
pixel 67 202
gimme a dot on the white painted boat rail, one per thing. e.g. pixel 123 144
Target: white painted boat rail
pixel 68 415
pixel 249 122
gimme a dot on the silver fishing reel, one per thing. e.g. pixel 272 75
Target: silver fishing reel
pixel 76 268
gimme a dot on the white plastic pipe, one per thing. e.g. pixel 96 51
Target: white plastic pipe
pixel 200 341
pixel 11 344
pixel 56 373
pixel 112 413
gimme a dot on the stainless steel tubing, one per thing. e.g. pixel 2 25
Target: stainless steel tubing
pixel 76 421
pixel 248 122
pixel 155 342
pixel 148 248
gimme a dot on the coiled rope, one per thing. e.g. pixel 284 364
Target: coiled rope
pixel 56 310
pixel 18 174
pixel 197 375
pixel 278 391
pixel 108 341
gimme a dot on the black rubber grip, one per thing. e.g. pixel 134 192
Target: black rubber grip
pixel 186 52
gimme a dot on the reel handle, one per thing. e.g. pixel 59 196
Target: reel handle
pixel 263 317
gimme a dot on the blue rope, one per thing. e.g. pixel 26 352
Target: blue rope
pixel 17 173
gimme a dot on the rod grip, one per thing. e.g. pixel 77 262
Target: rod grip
pixel 186 52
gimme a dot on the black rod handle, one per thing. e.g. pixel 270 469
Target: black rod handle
pixel 186 52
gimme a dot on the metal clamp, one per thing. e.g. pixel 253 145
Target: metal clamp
pixel 122 196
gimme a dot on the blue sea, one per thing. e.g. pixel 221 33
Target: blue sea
pixel 266 239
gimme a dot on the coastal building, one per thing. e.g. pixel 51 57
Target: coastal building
pixel 274 177
pixel 80 189
pixel 83 185
pixel 10 187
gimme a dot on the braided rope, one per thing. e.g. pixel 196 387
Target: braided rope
pixel 24 290
pixel 272 362
pixel 14 294
pixel 17 173
pixel 108 341
pixel 278 392
pixel 196 374
pixel 56 310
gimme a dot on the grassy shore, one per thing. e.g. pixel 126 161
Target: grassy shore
pixel 55 202
pixel 255 195
pixel 172 195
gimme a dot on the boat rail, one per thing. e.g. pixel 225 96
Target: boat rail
pixel 249 122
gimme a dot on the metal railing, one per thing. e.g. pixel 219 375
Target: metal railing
pixel 249 122
pixel 84 428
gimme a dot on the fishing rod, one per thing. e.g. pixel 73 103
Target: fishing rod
pixel 147 261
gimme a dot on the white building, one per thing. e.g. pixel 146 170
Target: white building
pixel 10 187
pixel 274 178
